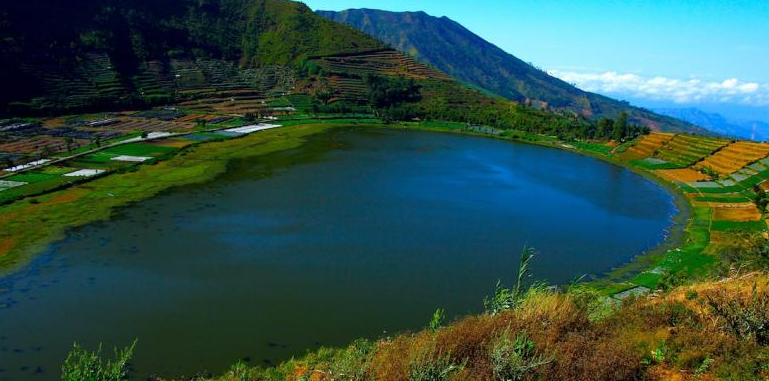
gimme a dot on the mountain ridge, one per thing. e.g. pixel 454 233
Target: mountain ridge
pixel 450 47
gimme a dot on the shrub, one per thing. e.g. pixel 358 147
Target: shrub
pixel 513 360
pixel 743 317
pixel 82 365
pixel 749 251
pixel 589 300
pixel 353 363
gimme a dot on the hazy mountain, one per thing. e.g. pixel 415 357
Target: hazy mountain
pixel 717 123
pixel 450 47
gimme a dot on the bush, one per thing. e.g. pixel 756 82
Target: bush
pixel 744 317
pixel 82 365
pixel 749 251
pixel 513 360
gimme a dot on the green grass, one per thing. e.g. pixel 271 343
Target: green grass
pixel 593 147
pixel 642 163
pixel 33 177
pixel 750 226
pixel 138 149
pixel 54 170
pixel 42 183
pixel 722 199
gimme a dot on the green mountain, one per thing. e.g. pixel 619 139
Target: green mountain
pixel 448 46
pixel 233 57
pixel 89 53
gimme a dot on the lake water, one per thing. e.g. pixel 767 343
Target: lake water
pixel 359 233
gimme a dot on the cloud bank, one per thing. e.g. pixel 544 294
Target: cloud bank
pixel 731 90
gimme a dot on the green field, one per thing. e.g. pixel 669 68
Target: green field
pixel 138 149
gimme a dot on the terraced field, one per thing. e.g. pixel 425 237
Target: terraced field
pixel 720 206
pixel 94 79
pixel 686 150
pixel 647 145
pixel 734 157
pixel 347 71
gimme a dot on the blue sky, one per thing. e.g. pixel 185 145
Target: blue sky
pixel 652 52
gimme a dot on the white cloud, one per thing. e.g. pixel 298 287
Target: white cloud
pixel 731 90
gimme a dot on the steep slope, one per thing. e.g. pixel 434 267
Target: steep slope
pixel 94 53
pixel 450 47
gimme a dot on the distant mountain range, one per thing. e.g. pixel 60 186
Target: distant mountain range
pixel 754 130
pixel 453 49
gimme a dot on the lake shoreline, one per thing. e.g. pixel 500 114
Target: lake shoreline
pixel 31 246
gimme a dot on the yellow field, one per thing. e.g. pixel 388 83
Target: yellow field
pixel 647 145
pixel 736 212
pixel 735 156
pixel 683 174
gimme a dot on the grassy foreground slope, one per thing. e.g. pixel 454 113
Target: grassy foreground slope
pixel 705 331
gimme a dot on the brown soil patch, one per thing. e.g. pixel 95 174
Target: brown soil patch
pixel 684 174
pixel 736 212
pixel 173 143
pixel 6 244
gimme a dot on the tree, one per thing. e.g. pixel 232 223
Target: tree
pixel 620 127
pixel 69 142
pixel 6 162
pixel 605 128
pixel 145 135
pixel 46 151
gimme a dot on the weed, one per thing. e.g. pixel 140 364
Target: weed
pixel 82 365
pixel 432 365
pixel 437 320
pixel 512 360
pixel 507 299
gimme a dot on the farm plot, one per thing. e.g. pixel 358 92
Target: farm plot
pixel 37 144
pixel 686 150
pixel 7 184
pixel 34 183
pixel 647 145
pixel 735 156
pixel 239 102
pixel 106 159
pixel 147 125
pixel 171 143
pixel 736 212
pixel 681 174
pixel 652 163
pixel 138 149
